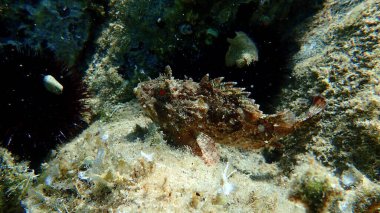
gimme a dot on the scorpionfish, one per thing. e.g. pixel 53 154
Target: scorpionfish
pixel 201 114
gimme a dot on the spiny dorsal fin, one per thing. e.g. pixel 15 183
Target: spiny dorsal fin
pixel 229 84
pixel 205 79
pixel 227 88
pixel 217 81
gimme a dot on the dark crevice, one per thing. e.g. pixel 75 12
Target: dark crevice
pixel 275 44
pixel 98 19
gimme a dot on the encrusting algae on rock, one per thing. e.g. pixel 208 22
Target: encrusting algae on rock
pixel 199 114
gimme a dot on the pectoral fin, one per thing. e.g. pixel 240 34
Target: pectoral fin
pixel 209 152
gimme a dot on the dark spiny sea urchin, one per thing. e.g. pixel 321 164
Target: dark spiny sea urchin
pixel 33 120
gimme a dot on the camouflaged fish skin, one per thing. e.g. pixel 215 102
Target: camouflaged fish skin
pixel 199 114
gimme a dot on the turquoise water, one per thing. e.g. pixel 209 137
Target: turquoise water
pixel 74 138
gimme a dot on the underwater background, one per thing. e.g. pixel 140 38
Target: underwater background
pixel 78 132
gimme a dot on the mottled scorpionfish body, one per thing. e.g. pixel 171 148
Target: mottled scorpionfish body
pixel 200 114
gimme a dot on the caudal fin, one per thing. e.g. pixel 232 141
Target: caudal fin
pixel 319 104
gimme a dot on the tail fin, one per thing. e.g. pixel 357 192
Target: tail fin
pixel 319 104
pixel 281 124
pixel 290 122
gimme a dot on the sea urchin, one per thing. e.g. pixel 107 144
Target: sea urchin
pixel 41 102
